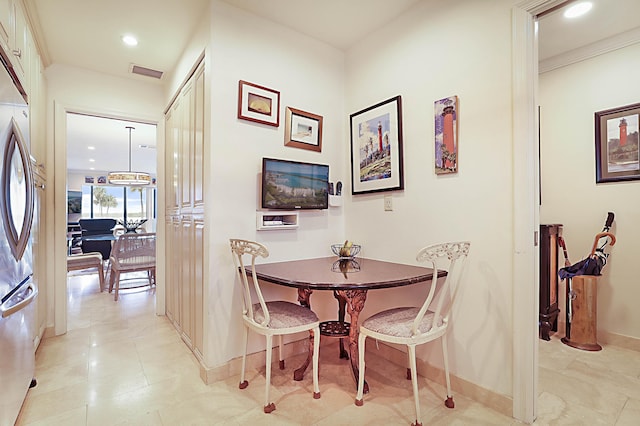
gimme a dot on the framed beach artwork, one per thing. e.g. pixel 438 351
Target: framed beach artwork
pixel 303 130
pixel 446 135
pixel 258 104
pixel 376 148
pixel 617 144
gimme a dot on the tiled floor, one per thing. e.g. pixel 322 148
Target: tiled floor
pixel 120 364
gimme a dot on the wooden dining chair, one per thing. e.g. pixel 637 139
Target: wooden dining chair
pixel 413 326
pixel 79 262
pixel 269 319
pixel 132 253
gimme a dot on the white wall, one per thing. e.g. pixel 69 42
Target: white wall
pixel 113 96
pixel 309 76
pixel 434 51
pixel 196 46
pixel 569 97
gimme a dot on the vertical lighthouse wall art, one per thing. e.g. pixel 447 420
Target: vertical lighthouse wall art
pixel 446 130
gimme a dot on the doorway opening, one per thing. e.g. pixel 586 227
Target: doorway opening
pixel 90 144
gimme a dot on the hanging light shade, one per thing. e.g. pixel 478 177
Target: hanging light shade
pixel 129 178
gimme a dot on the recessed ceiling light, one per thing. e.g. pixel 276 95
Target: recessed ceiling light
pixel 129 40
pixel 91 160
pixel 578 9
pixel 91 147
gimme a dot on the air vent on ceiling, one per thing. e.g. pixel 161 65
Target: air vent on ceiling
pixel 147 72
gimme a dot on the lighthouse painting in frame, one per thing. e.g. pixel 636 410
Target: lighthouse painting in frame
pixel 617 144
pixel 376 148
pixel 446 132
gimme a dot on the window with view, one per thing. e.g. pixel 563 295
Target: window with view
pixel 117 202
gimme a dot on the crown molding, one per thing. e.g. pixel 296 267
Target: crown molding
pixel 589 51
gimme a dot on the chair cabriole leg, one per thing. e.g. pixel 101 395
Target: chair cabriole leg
pixel 281 351
pixel 245 339
pixel 268 406
pixel 315 333
pixel 361 366
pixel 414 380
pixel 449 401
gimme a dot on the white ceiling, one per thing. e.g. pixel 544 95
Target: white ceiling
pixel 103 144
pixel 86 34
pixel 340 23
pixel 610 23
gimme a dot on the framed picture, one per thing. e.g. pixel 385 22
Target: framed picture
pixel 376 148
pixel 303 130
pixel 617 144
pixel 258 104
pixel 446 135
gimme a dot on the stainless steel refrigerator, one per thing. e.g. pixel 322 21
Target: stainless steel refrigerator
pixel 17 289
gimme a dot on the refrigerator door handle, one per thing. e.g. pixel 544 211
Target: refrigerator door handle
pixel 7 310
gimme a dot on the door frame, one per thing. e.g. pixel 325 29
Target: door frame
pixel 60 212
pixel 526 208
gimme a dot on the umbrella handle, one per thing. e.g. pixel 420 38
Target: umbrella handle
pixel 601 235
pixel 563 245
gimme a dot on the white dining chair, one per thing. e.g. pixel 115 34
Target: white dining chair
pixel 269 319
pixel 132 253
pixel 413 326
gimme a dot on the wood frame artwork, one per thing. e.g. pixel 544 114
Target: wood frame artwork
pixel 303 130
pixel 616 136
pixel 376 148
pixel 258 104
pixel 446 135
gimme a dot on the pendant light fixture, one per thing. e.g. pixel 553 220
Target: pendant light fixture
pixel 129 178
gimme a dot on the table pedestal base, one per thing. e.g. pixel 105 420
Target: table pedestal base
pixel 353 300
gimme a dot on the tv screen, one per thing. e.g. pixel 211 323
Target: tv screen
pixel 74 202
pixel 289 185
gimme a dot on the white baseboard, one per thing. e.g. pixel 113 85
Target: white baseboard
pixel 500 403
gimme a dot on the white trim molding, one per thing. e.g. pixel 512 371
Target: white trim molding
pixel 589 51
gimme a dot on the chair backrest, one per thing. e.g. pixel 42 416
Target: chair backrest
pixel 134 251
pixel 96 226
pixel 244 254
pixel 454 255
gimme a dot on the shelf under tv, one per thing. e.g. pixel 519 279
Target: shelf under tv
pixel 272 220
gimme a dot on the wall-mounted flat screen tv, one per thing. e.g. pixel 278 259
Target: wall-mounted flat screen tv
pixel 74 202
pixel 291 185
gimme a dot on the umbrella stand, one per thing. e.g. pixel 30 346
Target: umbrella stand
pixel 582 297
pixel 583 326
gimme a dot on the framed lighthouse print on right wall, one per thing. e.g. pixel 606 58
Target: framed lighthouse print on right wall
pixel 446 129
pixel 617 144
pixel 376 148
